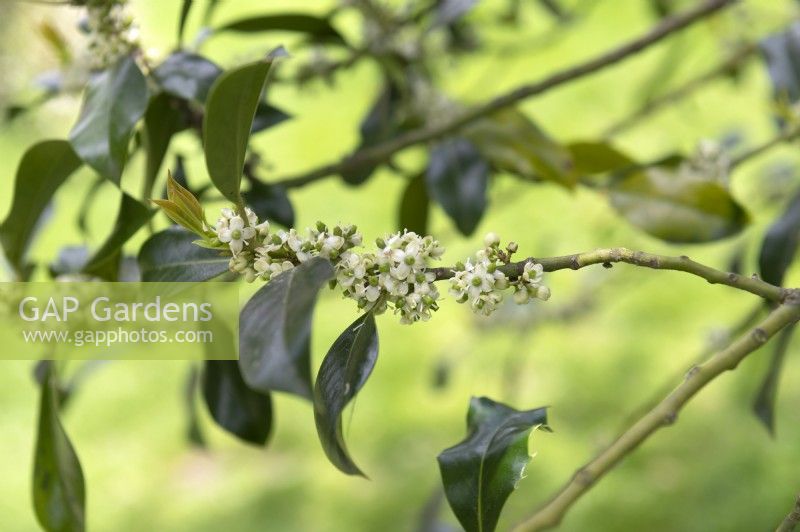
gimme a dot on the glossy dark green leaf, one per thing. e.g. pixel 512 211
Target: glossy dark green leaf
pixel 782 54
pixel 131 217
pixel 379 125
pixel 163 119
pixel 764 404
pixel 676 208
pixel 344 371
pixel 87 202
pixel 513 143
pixel 318 29
pixel 275 330
pixel 230 109
pixel 597 158
pixel 779 247
pixel 114 102
pixel 267 116
pixel 270 202
pixel 481 471
pixel 194 431
pixel 240 410
pixel 187 75
pixel 171 256
pixel 458 178
pixel 186 8
pixel 59 498
pixel 414 206
pixel 43 168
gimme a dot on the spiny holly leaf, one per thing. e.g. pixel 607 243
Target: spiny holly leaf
pixel 457 179
pixel 343 372
pixel 414 206
pixel 764 404
pixel 115 100
pixel 676 208
pixel 275 330
pixel 172 256
pixel 131 217
pixel 242 411
pixel 59 498
pixel 480 473
pixel 318 29
pixel 228 120
pixel 43 168
pixel 779 246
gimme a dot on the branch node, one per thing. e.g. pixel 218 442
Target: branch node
pixel 575 262
pixel 732 277
pixel 584 477
pixel 760 336
pixel 670 418
pixel 607 265
pixel 694 370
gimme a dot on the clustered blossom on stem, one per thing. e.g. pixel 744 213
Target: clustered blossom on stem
pixel 112 33
pixel 481 282
pixel 395 275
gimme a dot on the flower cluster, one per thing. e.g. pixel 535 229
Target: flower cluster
pixel 710 162
pixel 481 282
pixel 395 275
pixel 112 33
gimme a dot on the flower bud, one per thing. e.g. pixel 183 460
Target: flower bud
pixel 521 297
pixel 491 240
pixel 381 243
pixel 512 247
pixel 543 293
pixel 337 231
pixel 321 227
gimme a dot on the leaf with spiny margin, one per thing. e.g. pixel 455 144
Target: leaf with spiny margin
pixel 275 329
pixel 481 471
pixel 172 256
pixel 458 178
pixel 240 410
pixel 59 498
pixel 132 216
pixel 115 100
pixel 230 110
pixel 42 170
pixel 344 371
pixel 674 207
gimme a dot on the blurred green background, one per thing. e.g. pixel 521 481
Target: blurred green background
pixel 633 332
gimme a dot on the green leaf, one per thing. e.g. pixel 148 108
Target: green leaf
pixel 275 330
pixel 59 498
pixel 230 110
pixel 782 54
pixel 319 29
pixel 187 75
pixel 163 119
pixel 343 372
pixel 764 404
pixel 186 7
pixel 194 431
pixel 115 100
pixel 481 471
pixel 597 158
pixel 779 247
pixel 676 208
pixel 131 217
pixel 242 411
pixel 512 143
pixel 170 256
pixel 414 206
pixel 270 202
pixel 43 168
pixel 267 116
pixel 457 179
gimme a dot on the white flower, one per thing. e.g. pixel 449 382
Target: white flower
pixel 236 234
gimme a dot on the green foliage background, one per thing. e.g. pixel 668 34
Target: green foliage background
pixel 716 468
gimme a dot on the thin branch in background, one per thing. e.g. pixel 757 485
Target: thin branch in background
pixel 786 135
pixel 386 150
pixel 734 61
pixel 792 520
pixel 663 414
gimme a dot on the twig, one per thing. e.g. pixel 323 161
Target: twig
pixel 655 104
pixel 791 520
pixel 385 150
pixel 785 136
pixel 663 414
pixel 754 285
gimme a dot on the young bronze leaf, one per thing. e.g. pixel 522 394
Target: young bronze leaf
pixel 480 473
pixel 171 256
pixel 115 100
pixel 345 369
pixel 42 170
pixel 230 109
pixel 275 330
pixel 59 498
